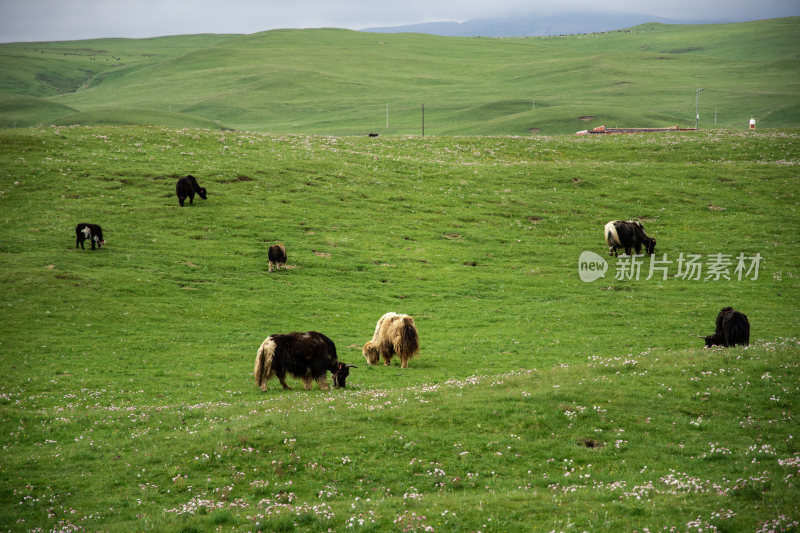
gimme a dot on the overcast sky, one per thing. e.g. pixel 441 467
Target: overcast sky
pixel 56 20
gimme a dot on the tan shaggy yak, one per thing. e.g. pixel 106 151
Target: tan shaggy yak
pixel 394 334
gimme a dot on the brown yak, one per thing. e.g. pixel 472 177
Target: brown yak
pixel 308 356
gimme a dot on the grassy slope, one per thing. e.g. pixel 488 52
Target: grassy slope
pixel 339 82
pixel 128 387
pixel 44 70
pixel 51 68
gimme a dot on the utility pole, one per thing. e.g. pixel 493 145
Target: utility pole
pixel 697 108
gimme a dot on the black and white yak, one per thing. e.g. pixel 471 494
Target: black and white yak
pixel 187 187
pixel 308 356
pixel 627 235
pixel 732 328
pixel 277 256
pixel 93 232
pixel 394 334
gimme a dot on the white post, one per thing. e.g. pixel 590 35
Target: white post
pixel 387 116
pixel 697 108
pixel 533 103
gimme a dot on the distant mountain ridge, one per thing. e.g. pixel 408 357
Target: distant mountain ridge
pixel 533 25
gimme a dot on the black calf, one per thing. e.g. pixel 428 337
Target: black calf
pixel 93 232
pixel 187 187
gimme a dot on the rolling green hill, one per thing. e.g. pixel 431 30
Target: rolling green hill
pixel 331 81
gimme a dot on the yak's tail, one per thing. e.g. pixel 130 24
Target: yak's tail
pixel 610 233
pixel 409 338
pixel 262 369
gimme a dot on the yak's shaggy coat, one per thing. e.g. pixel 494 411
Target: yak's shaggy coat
pixel 732 328
pixel 394 334
pixel 307 356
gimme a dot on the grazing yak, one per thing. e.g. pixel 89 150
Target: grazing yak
pixel 93 232
pixel 732 328
pixel 627 235
pixel 308 356
pixel 394 334
pixel 277 256
pixel 187 187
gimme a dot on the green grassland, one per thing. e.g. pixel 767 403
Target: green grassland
pixel 538 402
pixel 340 82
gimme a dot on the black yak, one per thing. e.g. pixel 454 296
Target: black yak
pixel 93 232
pixel 308 356
pixel 394 334
pixel 628 235
pixel 187 187
pixel 732 328
pixel 277 256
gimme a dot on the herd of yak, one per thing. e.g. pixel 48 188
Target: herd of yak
pixel 311 355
